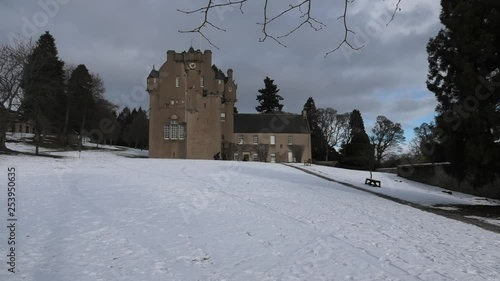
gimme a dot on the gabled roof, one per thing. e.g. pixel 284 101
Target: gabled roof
pixel 270 123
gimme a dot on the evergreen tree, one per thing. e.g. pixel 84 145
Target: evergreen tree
pixel 464 59
pixel 356 122
pixel 317 137
pixel 269 99
pixel 358 152
pixel 43 85
pixel 80 95
pixel 139 129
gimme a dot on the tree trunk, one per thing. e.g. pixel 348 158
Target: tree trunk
pixel 3 138
pixel 66 119
pixel 82 125
pixel 36 139
pixel 4 123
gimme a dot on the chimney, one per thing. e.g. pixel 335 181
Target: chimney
pixel 170 55
pixel 230 74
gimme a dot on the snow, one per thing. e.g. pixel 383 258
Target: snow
pixel 105 216
pixel 400 188
pixel 488 220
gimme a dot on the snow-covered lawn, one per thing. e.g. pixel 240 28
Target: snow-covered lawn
pixel 400 188
pixel 108 217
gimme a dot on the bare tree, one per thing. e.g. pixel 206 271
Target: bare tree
pixel 423 144
pixel 386 135
pixel 326 119
pixel 333 127
pixel 13 59
pixel 302 7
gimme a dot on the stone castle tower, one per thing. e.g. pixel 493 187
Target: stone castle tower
pixel 191 106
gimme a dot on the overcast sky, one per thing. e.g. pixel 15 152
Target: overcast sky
pixel 122 39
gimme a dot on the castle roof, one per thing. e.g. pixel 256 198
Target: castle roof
pixel 270 123
pixel 154 74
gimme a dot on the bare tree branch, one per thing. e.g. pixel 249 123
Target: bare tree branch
pixel 205 10
pixel 346 31
pixel 306 16
pixel 394 12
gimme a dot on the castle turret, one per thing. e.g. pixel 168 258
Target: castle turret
pixel 152 80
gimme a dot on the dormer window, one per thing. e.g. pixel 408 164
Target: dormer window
pixel 230 89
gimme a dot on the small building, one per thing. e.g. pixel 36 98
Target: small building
pixel 270 138
pixel 26 127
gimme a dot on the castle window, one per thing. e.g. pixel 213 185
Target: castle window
pixel 290 140
pixel 154 80
pixel 220 82
pixel 255 139
pixel 273 158
pixel 230 89
pixel 202 81
pixel 173 131
pixel 255 157
pixel 273 140
pixel 181 132
pixel 172 102
pixel 223 117
pixel 235 157
pixel 177 81
pixel 240 139
pixel 166 132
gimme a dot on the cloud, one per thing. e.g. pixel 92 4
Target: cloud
pixel 121 40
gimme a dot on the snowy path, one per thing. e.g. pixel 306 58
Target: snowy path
pixel 107 217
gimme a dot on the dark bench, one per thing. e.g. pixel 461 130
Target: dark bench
pixel 372 182
pixel 308 162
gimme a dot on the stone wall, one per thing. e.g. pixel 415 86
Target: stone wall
pixel 434 174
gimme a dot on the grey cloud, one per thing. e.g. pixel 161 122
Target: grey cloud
pixel 122 39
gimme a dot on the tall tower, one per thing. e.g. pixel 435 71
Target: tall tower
pixel 188 111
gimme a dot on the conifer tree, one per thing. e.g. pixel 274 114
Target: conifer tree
pixel 464 61
pixel 269 100
pixel 317 137
pixel 43 84
pixel 358 151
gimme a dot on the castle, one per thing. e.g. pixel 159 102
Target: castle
pixel 192 116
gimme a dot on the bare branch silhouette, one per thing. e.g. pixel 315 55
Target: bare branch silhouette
pixel 304 7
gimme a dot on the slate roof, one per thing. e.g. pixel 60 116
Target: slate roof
pixel 270 123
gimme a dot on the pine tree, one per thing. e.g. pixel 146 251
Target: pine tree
pixel 80 94
pixel 43 84
pixel 317 137
pixel 464 59
pixel 357 152
pixel 269 99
